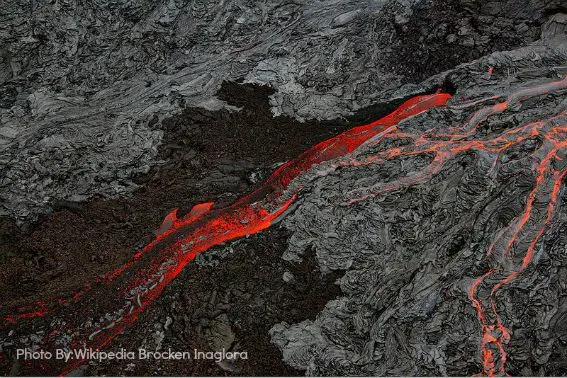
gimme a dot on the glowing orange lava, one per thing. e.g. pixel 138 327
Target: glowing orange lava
pixel 447 144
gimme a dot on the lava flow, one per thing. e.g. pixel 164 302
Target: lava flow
pixel 128 290
pixel 93 316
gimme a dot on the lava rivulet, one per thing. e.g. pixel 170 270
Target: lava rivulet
pixel 94 315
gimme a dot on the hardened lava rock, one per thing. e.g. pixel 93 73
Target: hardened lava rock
pixel 412 254
pixel 83 86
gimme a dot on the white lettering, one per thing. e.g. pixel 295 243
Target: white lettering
pixel 33 355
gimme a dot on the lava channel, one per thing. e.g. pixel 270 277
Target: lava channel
pixel 94 315
pixel 524 232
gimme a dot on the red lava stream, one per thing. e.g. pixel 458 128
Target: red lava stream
pixel 137 283
pixel 93 316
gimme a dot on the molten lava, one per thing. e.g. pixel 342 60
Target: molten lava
pixel 447 144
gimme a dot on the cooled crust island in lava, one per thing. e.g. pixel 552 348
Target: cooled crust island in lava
pixel 84 321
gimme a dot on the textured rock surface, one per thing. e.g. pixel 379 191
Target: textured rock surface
pixel 82 84
pixel 412 254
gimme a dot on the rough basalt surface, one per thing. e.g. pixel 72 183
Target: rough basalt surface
pixel 412 254
pixel 82 84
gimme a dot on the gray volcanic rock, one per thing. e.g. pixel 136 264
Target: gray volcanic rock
pixel 414 246
pixel 83 85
